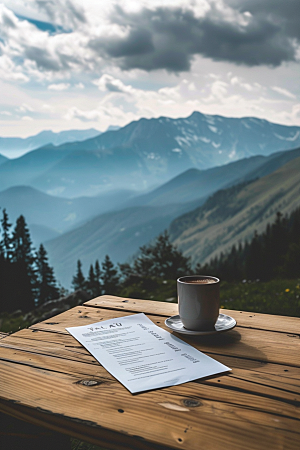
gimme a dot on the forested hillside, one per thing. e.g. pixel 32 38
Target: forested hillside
pixel 275 253
pixel 230 216
pixel 26 279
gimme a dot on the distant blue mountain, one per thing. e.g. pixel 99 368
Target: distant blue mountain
pixel 14 147
pixel 120 233
pixel 56 213
pixel 146 153
pixel 2 159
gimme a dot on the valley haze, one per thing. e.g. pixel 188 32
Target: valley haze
pixel 115 191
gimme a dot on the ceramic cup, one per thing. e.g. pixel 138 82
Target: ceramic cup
pixel 198 301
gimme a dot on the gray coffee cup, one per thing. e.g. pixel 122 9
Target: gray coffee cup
pixel 198 301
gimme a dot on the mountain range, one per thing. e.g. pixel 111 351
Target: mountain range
pixel 230 216
pixel 56 214
pixel 3 159
pixel 13 147
pixel 49 216
pixel 116 191
pixel 196 185
pixel 145 153
pixel 120 233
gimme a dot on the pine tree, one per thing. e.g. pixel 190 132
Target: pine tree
pixel 46 283
pixel 79 281
pixel 274 253
pixel 291 264
pixel 280 241
pixel 23 259
pixel 110 278
pixel 5 243
pixel 161 259
pixel 198 269
pixel 93 280
pixel 6 275
pixel 254 264
pixel 98 275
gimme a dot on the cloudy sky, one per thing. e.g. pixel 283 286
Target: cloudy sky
pixel 68 64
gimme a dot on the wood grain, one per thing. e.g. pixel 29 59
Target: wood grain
pixel 67 348
pixel 252 320
pixel 274 387
pixel 153 415
pixel 261 345
pixel 48 378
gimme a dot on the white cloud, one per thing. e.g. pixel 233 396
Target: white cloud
pixel 10 71
pixel 219 89
pixel 111 84
pixel 239 82
pixel 42 55
pixel 79 86
pixel 283 91
pixel 93 36
pixel 24 108
pixel 106 115
pixel 73 59
pixel 59 87
pixel 66 13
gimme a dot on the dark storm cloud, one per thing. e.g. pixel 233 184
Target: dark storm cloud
pixel 138 42
pixel 169 38
pixel 42 58
pixel 46 61
pixel 286 12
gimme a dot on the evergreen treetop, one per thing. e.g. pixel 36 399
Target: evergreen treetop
pixel 47 288
pixel 5 242
pixel 79 281
pixel 161 259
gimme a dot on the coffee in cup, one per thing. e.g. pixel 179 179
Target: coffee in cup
pixel 198 301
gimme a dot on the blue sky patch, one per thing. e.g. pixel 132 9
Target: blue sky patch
pixel 43 26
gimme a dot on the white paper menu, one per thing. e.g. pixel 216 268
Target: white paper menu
pixel 143 356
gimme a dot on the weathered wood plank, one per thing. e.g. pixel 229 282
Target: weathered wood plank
pixel 62 346
pixel 282 324
pixel 48 377
pixel 117 441
pixel 3 335
pixel 258 345
pixel 242 383
pixel 79 315
pixel 68 349
pixel 187 417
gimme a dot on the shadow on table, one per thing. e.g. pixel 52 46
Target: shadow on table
pixel 228 344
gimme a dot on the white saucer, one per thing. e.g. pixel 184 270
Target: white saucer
pixel 224 323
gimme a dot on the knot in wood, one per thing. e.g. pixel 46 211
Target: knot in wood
pixel 88 382
pixel 191 403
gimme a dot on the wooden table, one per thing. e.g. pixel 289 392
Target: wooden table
pixel 49 379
